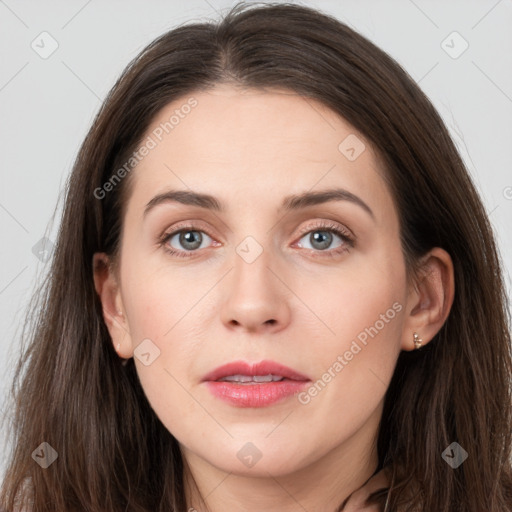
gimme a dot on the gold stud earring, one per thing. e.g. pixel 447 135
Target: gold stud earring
pixel 417 341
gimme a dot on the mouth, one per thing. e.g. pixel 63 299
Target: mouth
pixel 242 384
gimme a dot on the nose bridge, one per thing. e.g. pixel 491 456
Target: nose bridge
pixel 255 297
pixel 251 274
pixel 252 242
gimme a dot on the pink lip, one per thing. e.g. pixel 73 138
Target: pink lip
pixel 256 394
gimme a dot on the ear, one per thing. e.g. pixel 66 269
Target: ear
pixel 109 293
pixel 430 298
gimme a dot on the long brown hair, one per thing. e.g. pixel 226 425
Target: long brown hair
pixel 71 389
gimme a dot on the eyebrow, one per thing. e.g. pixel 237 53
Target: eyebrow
pixel 290 203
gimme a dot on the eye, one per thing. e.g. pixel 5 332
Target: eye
pixel 321 236
pixel 186 240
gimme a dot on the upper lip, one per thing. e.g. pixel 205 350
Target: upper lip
pixel 252 369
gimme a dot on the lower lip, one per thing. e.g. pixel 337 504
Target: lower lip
pixel 255 395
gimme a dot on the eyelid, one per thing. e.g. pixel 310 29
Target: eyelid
pixel 192 225
pixel 327 224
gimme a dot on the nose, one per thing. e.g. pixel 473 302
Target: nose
pixel 257 300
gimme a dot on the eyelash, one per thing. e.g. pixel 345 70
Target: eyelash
pixel 317 226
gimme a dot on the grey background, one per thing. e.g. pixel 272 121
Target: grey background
pixel 47 105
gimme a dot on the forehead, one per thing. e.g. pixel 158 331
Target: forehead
pixel 248 144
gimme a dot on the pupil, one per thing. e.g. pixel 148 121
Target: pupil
pixel 190 237
pixel 317 238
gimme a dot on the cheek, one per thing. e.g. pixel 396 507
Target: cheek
pixel 158 313
pixel 369 311
pixel 149 307
pixel 356 363
pixel 157 319
pixel 362 301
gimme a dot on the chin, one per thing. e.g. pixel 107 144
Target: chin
pixel 258 455
pixel 275 464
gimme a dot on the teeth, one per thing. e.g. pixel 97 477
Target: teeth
pixel 237 378
pixel 254 378
pixel 265 378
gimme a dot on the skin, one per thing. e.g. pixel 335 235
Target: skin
pixel 250 149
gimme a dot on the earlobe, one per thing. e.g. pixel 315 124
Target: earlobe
pixel 430 299
pixel 107 288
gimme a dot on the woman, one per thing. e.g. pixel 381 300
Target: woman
pixel 274 288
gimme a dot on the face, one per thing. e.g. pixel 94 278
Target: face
pixel 311 287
